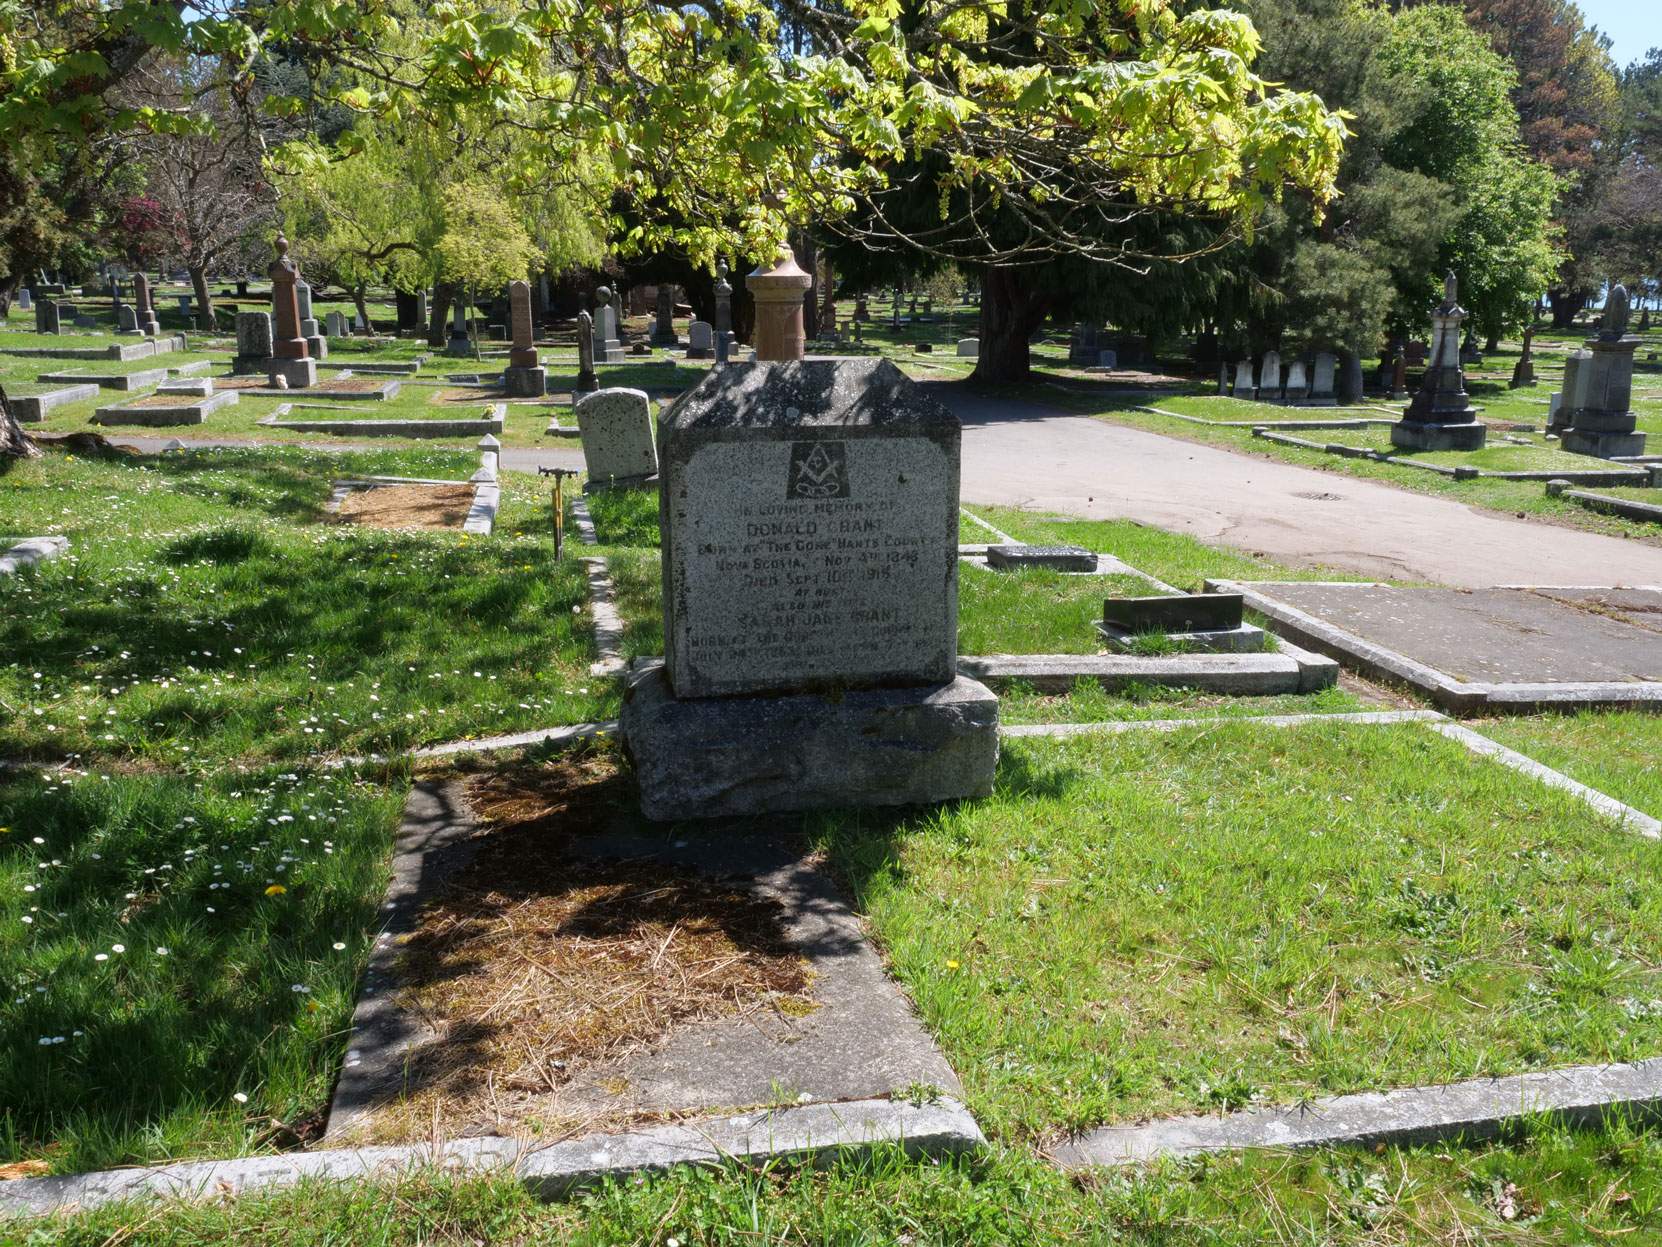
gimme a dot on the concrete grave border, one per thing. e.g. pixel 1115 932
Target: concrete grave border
pixel 32 408
pixel 1627 508
pixel 1480 1108
pixel 1590 476
pixel 491 422
pixel 127 380
pixel 436 838
pixel 815 1134
pixel 29 551
pixel 1460 697
pixel 116 350
pixel 192 411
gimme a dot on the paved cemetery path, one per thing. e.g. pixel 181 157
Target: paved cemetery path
pixel 1024 454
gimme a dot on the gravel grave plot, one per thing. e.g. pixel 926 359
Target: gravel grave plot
pixel 351 385
pixel 483 394
pixel 160 400
pixel 245 383
pixel 408 506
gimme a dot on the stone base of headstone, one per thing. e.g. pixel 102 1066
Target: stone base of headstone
pixel 248 365
pixel 713 757
pixel 301 374
pixel 700 352
pixel 1414 435
pixel 317 346
pixel 1601 444
pixel 596 485
pixel 462 345
pixel 611 353
pixel 1395 396
pixel 525 382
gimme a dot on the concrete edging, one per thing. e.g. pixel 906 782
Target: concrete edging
pixel 812 1134
pixel 1627 508
pixel 1453 695
pixel 1242 675
pixel 32 408
pixel 29 551
pixel 1480 1108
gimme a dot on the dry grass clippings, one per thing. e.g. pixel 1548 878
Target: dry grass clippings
pixel 533 966
pixel 408 506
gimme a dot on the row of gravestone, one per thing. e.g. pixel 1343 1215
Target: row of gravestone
pixel 1305 384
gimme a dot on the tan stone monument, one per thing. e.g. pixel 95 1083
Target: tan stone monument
pixel 778 294
pixel 524 377
pixel 290 357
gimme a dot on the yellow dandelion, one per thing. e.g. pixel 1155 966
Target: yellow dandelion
pixel 275 889
pixel 951 964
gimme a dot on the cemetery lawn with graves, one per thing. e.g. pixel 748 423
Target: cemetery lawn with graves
pixel 1500 927
pixel 1613 751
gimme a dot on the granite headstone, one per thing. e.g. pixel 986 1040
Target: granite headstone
pixel 618 446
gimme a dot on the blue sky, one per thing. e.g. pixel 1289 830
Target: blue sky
pixel 1634 26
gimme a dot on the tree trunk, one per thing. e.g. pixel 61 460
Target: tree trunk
pixel 14 442
pixel 1010 312
pixel 1566 306
pixel 8 292
pixel 359 293
pixel 438 314
pixel 204 298
pixel 1491 344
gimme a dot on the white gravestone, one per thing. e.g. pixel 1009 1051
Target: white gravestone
pixel 618 447
pixel 969 348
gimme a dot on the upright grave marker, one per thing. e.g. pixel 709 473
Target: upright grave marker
pixel 1297 386
pixel 146 308
pixel 253 343
pixel 809 513
pixel 1321 381
pixel 700 340
pixel 1243 379
pixel 46 317
pixel 609 347
pixel 724 313
pixel 1441 416
pixel 317 346
pixel 1269 378
pixel 1601 419
pixel 587 382
pixel 663 329
pixel 618 447
pixel 289 356
pixel 524 377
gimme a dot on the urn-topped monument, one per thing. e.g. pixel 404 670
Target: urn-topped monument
pixel 1441 416
pixel 809 513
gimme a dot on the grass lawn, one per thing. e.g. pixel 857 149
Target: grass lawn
pixel 1088 702
pixel 1548 1186
pixel 1397 913
pixel 1175 558
pixel 206 612
pixel 168 944
pixel 1035 610
pixel 1616 752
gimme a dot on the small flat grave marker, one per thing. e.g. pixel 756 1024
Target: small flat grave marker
pixel 1059 558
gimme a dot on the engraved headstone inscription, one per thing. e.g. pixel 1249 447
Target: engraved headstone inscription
pixel 809 518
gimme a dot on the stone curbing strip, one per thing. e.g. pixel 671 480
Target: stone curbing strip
pixel 1241 675
pixel 815 1133
pixel 1481 1108
pixel 1625 815
pixel 1627 508
pixel 1116 726
pixel 32 408
pixel 608 624
pixel 584 520
pixel 29 551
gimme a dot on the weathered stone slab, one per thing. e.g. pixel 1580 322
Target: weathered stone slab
pixel 1188 612
pixel 1057 558
pixel 31 408
pixel 706 757
pixel 164 409
pixel 616 427
pixel 810 520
